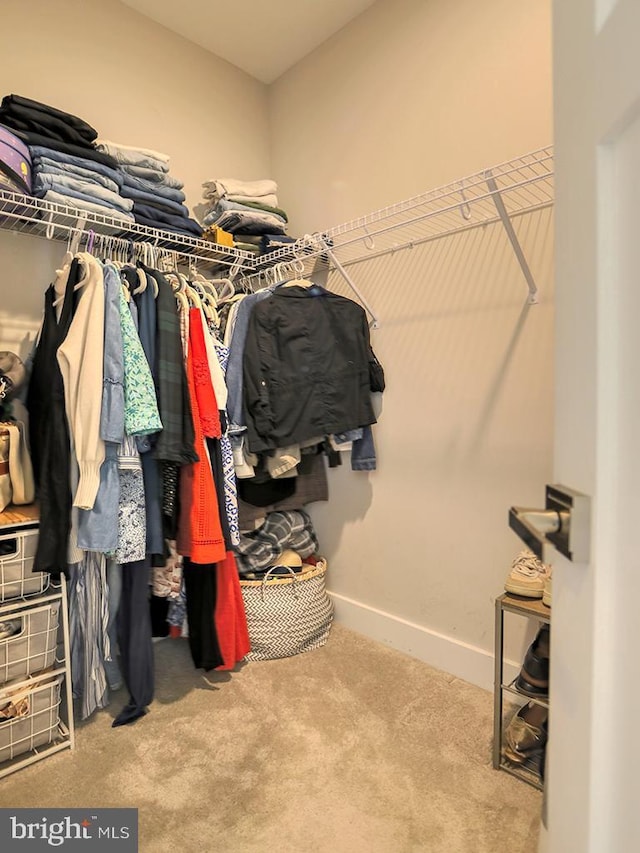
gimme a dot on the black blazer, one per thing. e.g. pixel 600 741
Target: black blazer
pixel 308 368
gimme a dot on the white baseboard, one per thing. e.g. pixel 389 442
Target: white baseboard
pixel 460 659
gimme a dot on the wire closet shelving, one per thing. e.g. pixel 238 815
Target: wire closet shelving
pixel 502 193
pixel 499 194
pixel 30 215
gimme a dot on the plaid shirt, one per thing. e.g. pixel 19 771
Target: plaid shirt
pixel 260 549
pixel 176 441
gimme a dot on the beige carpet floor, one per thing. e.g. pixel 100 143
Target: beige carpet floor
pixel 353 748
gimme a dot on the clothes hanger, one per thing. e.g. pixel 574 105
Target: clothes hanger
pixel 149 261
pixel 142 278
pixel 80 256
pixel 226 291
pixel 62 274
pixel 296 266
pixel 190 292
pixel 178 287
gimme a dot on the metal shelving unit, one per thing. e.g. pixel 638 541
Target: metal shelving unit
pixel 44 729
pixel 530 609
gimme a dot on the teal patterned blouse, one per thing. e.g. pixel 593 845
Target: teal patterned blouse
pixel 141 416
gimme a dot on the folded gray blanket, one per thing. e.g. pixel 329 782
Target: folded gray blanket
pixel 246 222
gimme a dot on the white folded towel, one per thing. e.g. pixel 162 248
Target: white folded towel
pixel 223 187
pixel 113 148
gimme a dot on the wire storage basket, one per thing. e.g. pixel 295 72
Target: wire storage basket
pixel 28 641
pixel 29 717
pixel 17 553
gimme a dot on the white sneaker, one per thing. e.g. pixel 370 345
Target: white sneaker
pixel 527 576
pixel 546 592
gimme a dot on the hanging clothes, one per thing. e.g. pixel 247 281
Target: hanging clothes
pixel 49 432
pixel 308 368
pixel 146 304
pixel 230 617
pixel 151 381
pixel 200 534
pixel 134 639
pixel 80 358
pixel 230 488
pixel 200 582
pixel 98 527
pixel 175 444
pixel 88 628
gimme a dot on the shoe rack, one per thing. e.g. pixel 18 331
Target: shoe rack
pixel 529 771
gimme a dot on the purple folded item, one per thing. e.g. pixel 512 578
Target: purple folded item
pixel 15 160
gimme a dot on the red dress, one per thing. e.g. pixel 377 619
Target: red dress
pixel 199 530
pixel 230 618
pixel 200 535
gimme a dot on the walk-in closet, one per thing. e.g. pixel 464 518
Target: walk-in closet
pixel 280 346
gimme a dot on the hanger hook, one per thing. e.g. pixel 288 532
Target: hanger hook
pixel 465 209
pixel 51 229
pixel 368 240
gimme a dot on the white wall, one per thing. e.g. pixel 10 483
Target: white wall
pixel 409 96
pixel 137 83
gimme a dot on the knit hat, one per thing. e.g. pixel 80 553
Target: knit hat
pixel 289 558
pixel 12 375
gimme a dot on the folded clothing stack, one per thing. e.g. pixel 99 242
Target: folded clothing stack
pixel 156 196
pixel 246 209
pixel 66 166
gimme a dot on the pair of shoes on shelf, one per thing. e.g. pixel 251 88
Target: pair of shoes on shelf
pixel 533 679
pixel 529 577
pixel 526 734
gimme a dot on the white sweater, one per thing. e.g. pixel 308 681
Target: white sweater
pixel 80 357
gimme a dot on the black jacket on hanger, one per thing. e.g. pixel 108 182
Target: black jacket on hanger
pixel 308 368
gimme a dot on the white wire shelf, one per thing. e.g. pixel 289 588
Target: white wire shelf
pixel 499 194
pixel 525 185
pixel 30 215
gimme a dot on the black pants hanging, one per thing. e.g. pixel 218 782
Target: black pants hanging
pixel 201 589
pixel 134 640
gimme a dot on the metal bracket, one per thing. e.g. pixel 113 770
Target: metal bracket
pixel 375 323
pixel 511 234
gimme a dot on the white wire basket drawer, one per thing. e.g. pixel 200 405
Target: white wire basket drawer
pixel 37 719
pixel 28 641
pixel 17 553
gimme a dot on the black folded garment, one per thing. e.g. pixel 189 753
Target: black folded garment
pixel 18 120
pixel 41 118
pixel 88 153
pixel 155 218
pixel 271 242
